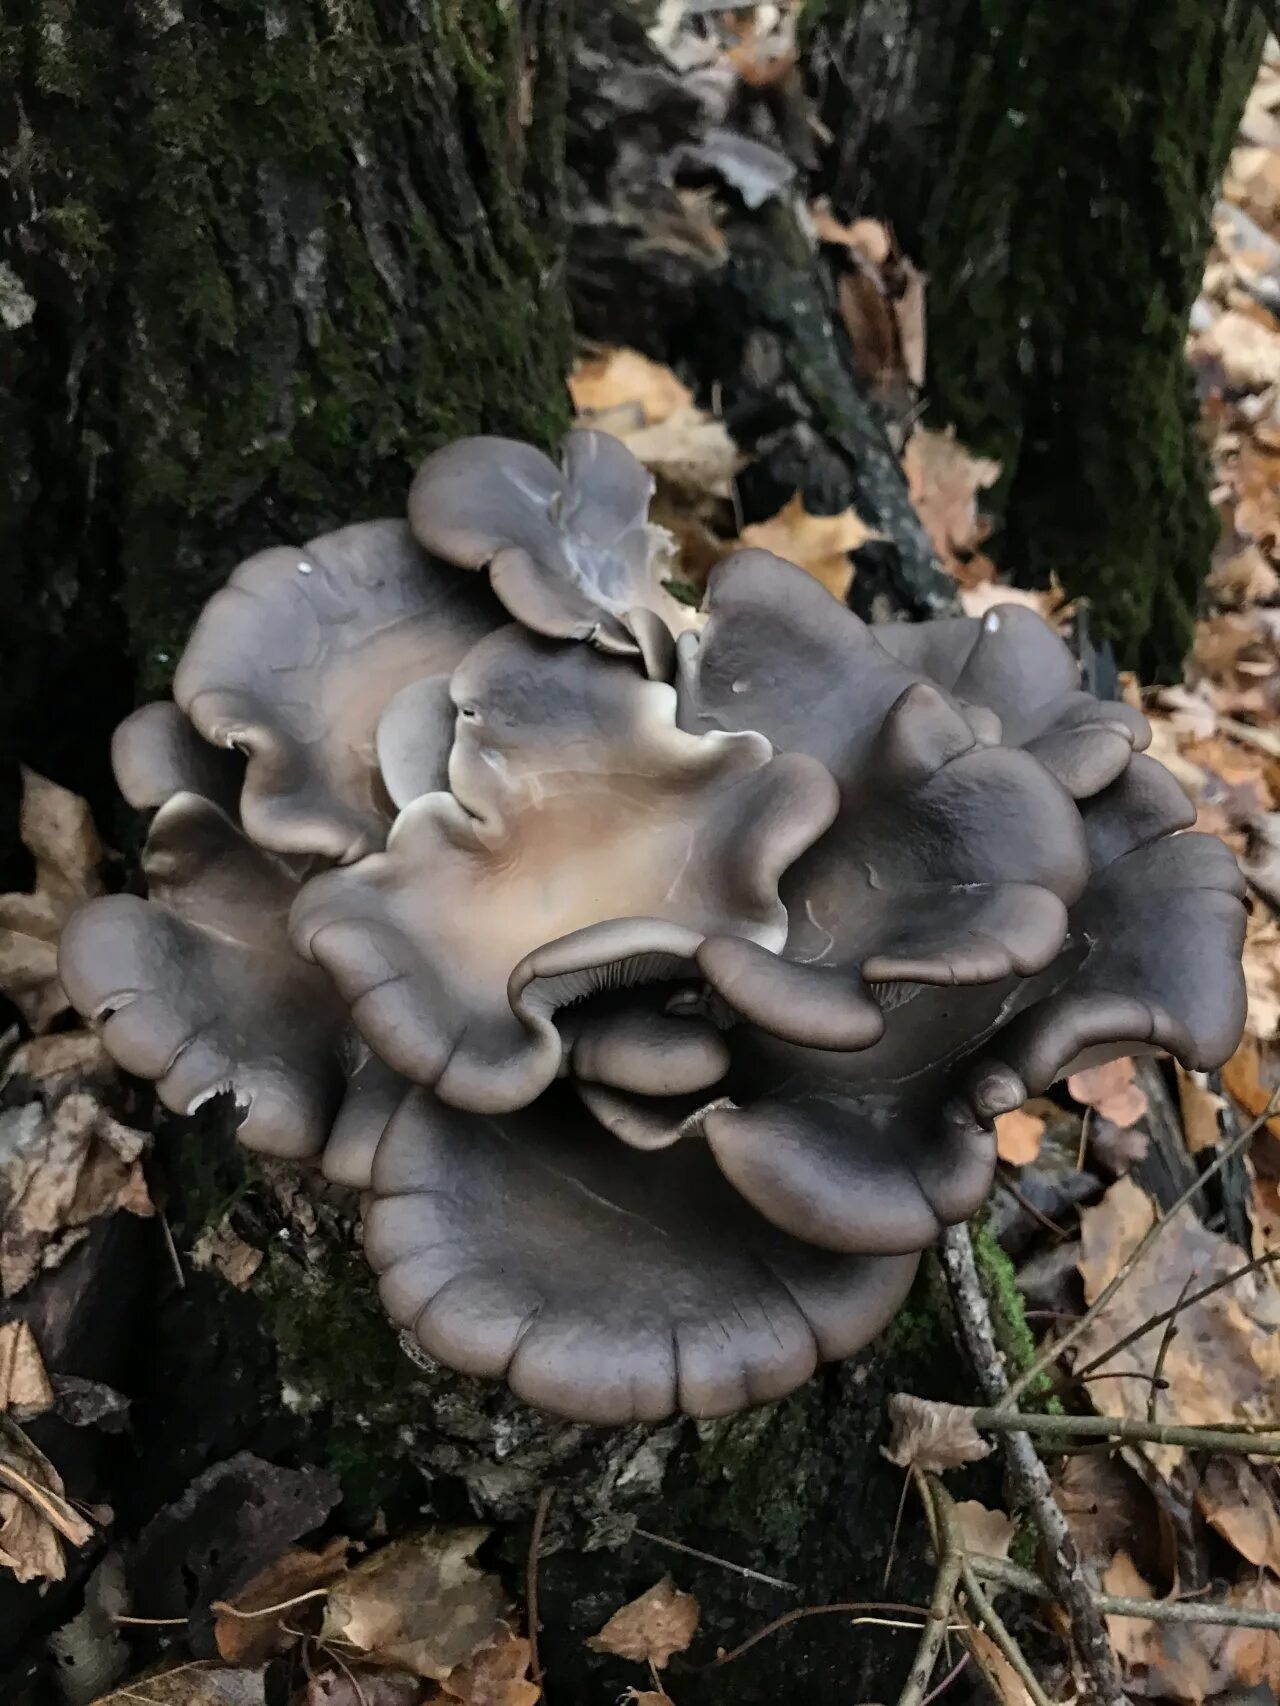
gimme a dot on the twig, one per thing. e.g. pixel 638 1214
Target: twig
pixel 1166 1344
pixel 859 1609
pixel 1030 1479
pixel 940 1688
pixel 531 1583
pixel 1230 1437
pixel 721 1563
pixel 950 1560
pixel 1025 1203
pixel 228 1610
pixel 949 1529
pixel 1121 1605
pixel 1051 1354
pixel 1154 1321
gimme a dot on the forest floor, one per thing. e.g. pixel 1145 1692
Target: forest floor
pixel 1171 1290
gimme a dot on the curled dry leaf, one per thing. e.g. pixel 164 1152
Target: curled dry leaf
pixel 221 1248
pixel 1200 1107
pixel 57 830
pixel 62 1166
pixel 620 378
pixel 35 1517
pixel 1112 1091
pixel 1241 1506
pixel 944 482
pixel 984 1531
pixel 251 1640
pixel 498 1676
pixel 198 1684
pixel 649 1629
pixel 1135 1640
pixel 1019 1135
pixel 1007 1686
pixel 24 1383
pixel 930 1435
pixel 421 1604
pixel 820 544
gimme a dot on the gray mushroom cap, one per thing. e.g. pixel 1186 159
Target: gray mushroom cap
pixel 604 1284
pixel 156 753
pixel 570 551
pixel 198 989
pixel 586 842
pixel 294 662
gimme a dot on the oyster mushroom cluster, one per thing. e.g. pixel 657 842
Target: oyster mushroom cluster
pixel 658 977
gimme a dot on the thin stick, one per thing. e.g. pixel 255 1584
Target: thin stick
pixel 949 1528
pixel 154 1622
pixel 229 1610
pixel 1121 1605
pixel 1230 1437
pixel 942 1687
pixel 1155 1321
pixel 842 1608
pixel 892 1559
pixel 936 1625
pixel 1049 1356
pixel 721 1563
pixel 531 1583
pixel 1030 1479
pixel 1158 1381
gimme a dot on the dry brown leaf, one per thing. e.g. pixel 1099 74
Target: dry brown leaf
pixel 499 1676
pixel 649 1629
pixel 988 1532
pixel 221 1248
pixel 1111 1091
pixel 928 1434
pixel 61 1054
pixel 646 1697
pixel 420 1604
pixel 944 481
pixel 56 827
pixel 1248 352
pixel 1117 1148
pixel 62 1166
pixel 618 378
pixel 817 543
pixel 1135 1640
pixel 1240 1505
pixel 250 1641
pixel 866 237
pixel 1105 1505
pixel 1019 1136
pixel 24 1383
pixel 1049 603
pixel 909 317
pixel 197 1683
pixel 1242 1076
pixel 1223 1362
pixel 690 450
pixel 1200 1107
pixel 872 327
pixel 1246 577
pixel 30 1543
pixel 1007 1686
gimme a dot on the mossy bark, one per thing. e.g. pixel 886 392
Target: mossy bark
pixel 256 258
pixel 1052 168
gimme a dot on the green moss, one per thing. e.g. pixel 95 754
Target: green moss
pixel 1008 1313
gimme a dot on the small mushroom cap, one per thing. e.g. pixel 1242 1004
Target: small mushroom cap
pixel 606 1285
pixel 296 659
pixel 570 551
pixel 198 989
pixel 587 843
pixel 1011 663
pixel 876 1174
pixel 156 754
pixel 952 860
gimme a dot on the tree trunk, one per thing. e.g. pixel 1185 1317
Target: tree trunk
pixel 1052 168
pixel 256 258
